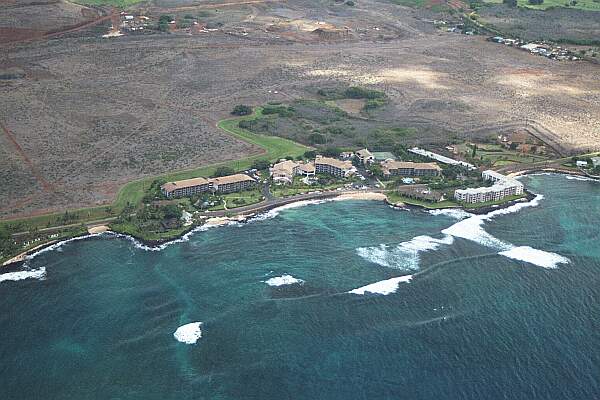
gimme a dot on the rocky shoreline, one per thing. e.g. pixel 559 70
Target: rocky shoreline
pixel 245 214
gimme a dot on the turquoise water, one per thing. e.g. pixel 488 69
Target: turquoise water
pixel 96 319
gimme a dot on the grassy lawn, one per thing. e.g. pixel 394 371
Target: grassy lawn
pixel 241 199
pixel 133 230
pixel 299 187
pixel 395 197
pixel 498 155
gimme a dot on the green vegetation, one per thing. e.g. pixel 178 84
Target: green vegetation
pixel 497 155
pixel 395 197
pixel 135 193
pixel 223 171
pixel 410 3
pixel 324 182
pixel 241 110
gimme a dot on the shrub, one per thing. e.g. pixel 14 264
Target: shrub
pixel 282 111
pixel 355 92
pixel 222 171
pixel 316 138
pixel 310 154
pixel 261 164
pixel 241 109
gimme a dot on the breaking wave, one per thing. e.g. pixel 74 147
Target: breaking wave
pixel 580 178
pixel 277 210
pixel 455 213
pixel 189 333
pixel 405 256
pixel 283 280
pixel 385 287
pixel 534 256
pixel 39 274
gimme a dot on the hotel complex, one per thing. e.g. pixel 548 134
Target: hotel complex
pixel 284 171
pixel 333 166
pixel 503 187
pixel 406 168
pixel 223 184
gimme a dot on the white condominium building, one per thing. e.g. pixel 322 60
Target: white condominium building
pixel 502 187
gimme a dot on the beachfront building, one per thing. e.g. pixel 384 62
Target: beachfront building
pixel 503 187
pixel 332 166
pixel 306 169
pixel 284 171
pixel 365 156
pixel 407 168
pixel 187 187
pixel 232 183
pixel 224 184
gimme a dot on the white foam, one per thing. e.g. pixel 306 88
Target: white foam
pixel 456 213
pixel 383 287
pixel 277 210
pixel 580 178
pixel 283 280
pixel 39 274
pixel 534 256
pixel 58 245
pixel 189 333
pixel 472 227
pixel 405 256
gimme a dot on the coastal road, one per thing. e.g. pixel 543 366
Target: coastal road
pixel 273 202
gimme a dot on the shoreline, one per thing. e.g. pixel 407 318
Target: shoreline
pixel 245 214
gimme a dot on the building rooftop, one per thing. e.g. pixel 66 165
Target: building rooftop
pixel 186 183
pixel 333 162
pixel 393 164
pixel 223 180
pixel 308 167
pixel 364 153
pixel 284 167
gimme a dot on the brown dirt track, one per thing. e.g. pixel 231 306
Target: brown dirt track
pixel 91 113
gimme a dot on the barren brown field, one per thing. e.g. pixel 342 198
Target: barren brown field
pixel 86 115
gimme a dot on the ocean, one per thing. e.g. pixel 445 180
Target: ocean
pixel 332 300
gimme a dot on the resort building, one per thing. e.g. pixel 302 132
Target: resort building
pixel 332 166
pixel 440 158
pixel 224 184
pixel 407 168
pixel 307 169
pixel 284 171
pixel 187 187
pixel 503 187
pixel 365 156
pixel 232 183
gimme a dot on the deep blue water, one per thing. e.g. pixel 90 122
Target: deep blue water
pixel 471 324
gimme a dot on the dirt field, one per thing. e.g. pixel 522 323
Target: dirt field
pixel 89 114
pixel 555 24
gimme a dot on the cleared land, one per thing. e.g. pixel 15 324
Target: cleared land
pixel 559 24
pixel 93 114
